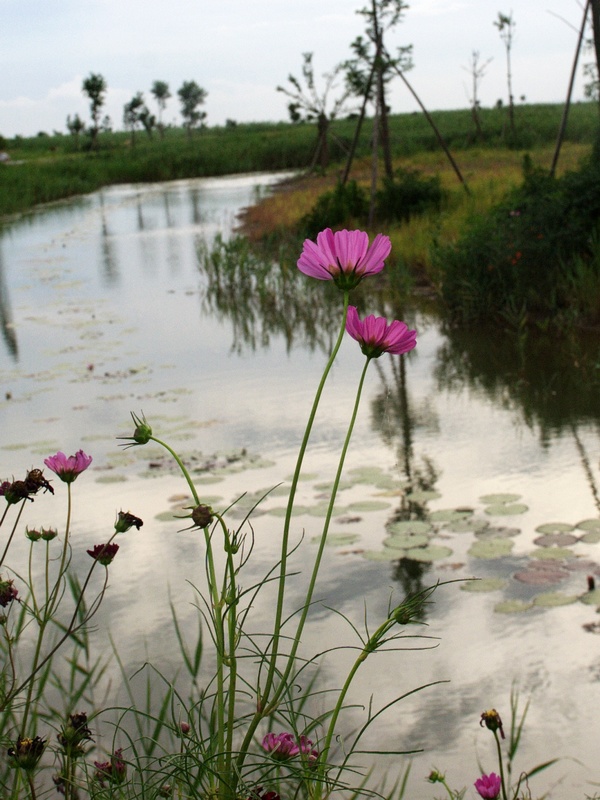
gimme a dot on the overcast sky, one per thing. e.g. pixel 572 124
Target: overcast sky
pixel 240 50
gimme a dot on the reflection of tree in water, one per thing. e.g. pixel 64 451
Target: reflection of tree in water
pixel 262 298
pixel 395 417
pixel 554 383
pixel 6 321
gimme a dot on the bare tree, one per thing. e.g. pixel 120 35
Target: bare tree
pixel 373 67
pixel 310 104
pixel 477 71
pixel 506 27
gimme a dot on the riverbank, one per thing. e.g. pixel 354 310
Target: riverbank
pixel 47 168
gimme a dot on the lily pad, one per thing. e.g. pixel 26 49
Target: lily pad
pixel 591 537
pixel 367 474
pixel 433 552
pixel 449 514
pixel 468 525
pixel 591 598
pixel 409 526
pixel 328 486
pixel 589 525
pixel 497 532
pixel 541 577
pixel 383 555
pixel 558 553
pixel 497 499
pixel 338 539
pixel 506 509
pixel 404 541
pixel 111 478
pixel 555 527
pixel 513 607
pixel 483 585
pixel 491 548
pixel 555 540
pixel 552 599
pixel 280 511
pixel 369 505
pixel 422 496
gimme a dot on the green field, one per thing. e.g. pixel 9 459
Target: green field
pixel 47 168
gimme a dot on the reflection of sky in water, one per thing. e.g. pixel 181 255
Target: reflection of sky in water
pixel 105 298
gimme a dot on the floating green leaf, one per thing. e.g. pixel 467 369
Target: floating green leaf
pixel 433 552
pixel 112 478
pixel 589 525
pixel 338 539
pixel 551 599
pixel 591 598
pixel 369 505
pixel 404 541
pixel 592 537
pixel 409 526
pixel 555 527
pixel 502 509
pixel 513 607
pixel 555 540
pixel 558 553
pixel 483 585
pixel 383 555
pixel 497 499
pixel 491 548
pixel 422 496
pixel 468 525
pixel 449 514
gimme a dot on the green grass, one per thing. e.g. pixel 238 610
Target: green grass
pixel 54 167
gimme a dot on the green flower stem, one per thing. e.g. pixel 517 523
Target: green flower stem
pixel 12 533
pixel 263 697
pixel 54 594
pixel 323 541
pixel 36 610
pixel 181 466
pixel 372 644
pixel 69 629
pixel 500 765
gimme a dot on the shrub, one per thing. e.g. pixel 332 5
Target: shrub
pixel 520 255
pixel 345 202
pixel 408 194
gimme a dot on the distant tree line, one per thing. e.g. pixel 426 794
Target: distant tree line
pixel 136 113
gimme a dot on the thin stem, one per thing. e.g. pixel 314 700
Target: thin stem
pixel 321 548
pixel 501 765
pixel 12 533
pixel 181 466
pixel 263 697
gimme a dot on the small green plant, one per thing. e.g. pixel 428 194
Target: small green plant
pixel 407 195
pixel 346 202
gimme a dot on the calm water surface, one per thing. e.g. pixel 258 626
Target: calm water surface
pixel 105 311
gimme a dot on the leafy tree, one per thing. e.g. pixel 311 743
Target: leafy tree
pixel 191 96
pixel 147 119
pixel 94 86
pixel 75 126
pixel 310 104
pixel 506 27
pixel 161 93
pixel 132 114
pixel 373 67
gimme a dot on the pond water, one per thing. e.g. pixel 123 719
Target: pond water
pixel 475 456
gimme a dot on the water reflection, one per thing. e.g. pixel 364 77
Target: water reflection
pixel 261 299
pixel 6 318
pixel 553 382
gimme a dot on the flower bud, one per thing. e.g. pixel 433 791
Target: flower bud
pixel 491 720
pixel 27 752
pixel 32 534
pixel 202 516
pixel 48 534
pixel 125 521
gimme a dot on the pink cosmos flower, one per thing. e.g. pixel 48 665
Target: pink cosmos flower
pixel 344 257
pixel 68 468
pixel 489 786
pixel 375 336
pixel 280 745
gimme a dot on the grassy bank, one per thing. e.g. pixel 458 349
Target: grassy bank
pixel 48 168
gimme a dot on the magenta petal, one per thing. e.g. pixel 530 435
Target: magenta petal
pixel 375 336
